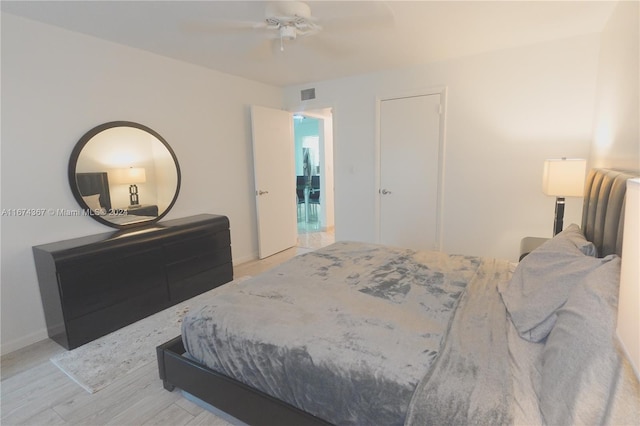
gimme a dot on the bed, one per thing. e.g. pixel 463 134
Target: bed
pixel 367 334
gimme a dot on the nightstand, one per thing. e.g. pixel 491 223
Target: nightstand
pixel 529 244
pixel 143 210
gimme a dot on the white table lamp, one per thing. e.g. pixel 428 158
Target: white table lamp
pixel 563 177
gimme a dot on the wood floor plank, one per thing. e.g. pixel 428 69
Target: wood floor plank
pixel 209 419
pixel 33 391
pixel 45 417
pixel 20 383
pixel 257 266
pixel 29 357
pixel 208 413
pixel 152 401
pixel 102 406
pixel 171 415
pixel 189 406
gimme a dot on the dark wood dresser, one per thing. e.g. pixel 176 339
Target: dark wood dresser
pixel 94 285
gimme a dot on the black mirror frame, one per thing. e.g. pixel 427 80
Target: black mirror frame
pixel 75 154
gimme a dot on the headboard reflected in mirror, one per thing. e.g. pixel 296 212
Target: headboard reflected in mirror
pixel 92 184
pixel 124 174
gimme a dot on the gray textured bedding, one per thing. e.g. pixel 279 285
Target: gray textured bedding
pixel 372 335
pixel 471 383
pixel 344 333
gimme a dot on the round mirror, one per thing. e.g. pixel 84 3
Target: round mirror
pixel 124 174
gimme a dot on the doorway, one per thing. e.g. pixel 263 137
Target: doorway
pixel 313 154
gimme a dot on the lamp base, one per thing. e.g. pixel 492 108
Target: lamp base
pixel 133 195
pixel 559 216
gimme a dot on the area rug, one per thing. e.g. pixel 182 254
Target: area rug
pixel 97 364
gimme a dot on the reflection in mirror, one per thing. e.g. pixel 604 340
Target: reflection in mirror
pixel 124 174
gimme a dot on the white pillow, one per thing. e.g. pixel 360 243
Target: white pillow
pixel 93 203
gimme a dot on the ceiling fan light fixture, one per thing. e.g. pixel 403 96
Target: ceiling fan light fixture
pixel 288 32
pixel 290 19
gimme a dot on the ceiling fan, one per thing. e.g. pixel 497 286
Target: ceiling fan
pixel 290 19
pixel 285 21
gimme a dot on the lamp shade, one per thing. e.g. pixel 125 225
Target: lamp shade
pixel 564 177
pixel 628 326
pixel 129 176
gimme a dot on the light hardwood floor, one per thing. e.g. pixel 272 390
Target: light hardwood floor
pixel 35 392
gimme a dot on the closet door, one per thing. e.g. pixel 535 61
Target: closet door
pixel 410 172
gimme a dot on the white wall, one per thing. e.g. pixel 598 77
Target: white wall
pixel 507 111
pixel 56 85
pixel 616 141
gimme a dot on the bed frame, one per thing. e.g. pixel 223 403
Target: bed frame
pixel 603 217
pixel 231 396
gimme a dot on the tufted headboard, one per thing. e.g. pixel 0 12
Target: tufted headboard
pixel 95 183
pixel 603 209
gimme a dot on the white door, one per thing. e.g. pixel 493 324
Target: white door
pixel 410 172
pixel 274 172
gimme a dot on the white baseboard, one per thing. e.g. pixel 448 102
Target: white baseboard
pixel 245 259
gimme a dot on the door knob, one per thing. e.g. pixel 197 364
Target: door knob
pixel 385 192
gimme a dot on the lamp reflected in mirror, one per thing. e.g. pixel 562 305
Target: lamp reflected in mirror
pixel 131 176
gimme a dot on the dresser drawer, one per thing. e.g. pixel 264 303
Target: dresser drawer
pixel 206 280
pixel 195 245
pixel 104 321
pixel 196 264
pixel 97 283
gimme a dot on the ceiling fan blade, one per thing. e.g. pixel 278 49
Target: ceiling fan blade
pixel 378 15
pixel 357 23
pixel 325 46
pixel 221 27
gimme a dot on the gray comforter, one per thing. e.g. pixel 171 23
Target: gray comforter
pixel 471 383
pixel 345 333
pixel 371 335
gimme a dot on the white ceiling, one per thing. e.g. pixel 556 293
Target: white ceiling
pixel 383 35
